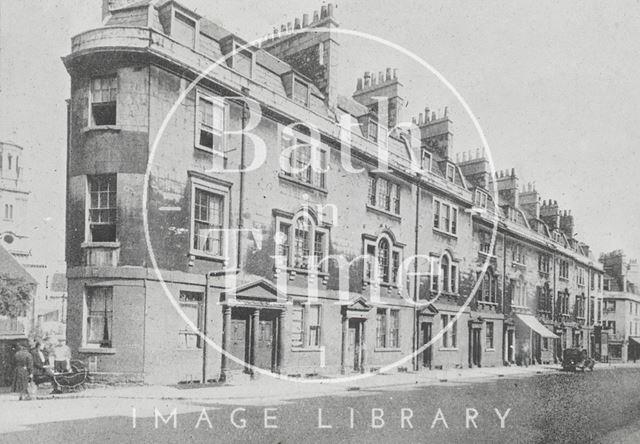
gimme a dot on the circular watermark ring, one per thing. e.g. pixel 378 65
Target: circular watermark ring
pixel 213 344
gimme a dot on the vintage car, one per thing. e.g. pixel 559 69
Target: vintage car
pixel 574 359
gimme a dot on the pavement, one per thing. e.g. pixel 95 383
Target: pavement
pixel 142 400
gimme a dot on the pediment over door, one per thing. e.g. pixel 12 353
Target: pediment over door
pixel 260 293
pixel 357 309
pixel 428 311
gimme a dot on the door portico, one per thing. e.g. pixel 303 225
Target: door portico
pixel 353 353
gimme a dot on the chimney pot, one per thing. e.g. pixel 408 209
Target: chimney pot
pixel 359 84
pixel 464 156
pixel 380 77
pixel 433 115
pixel 457 157
pixel 283 28
pixel 315 17
pixel 323 11
pixel 395 73
pixel 330 10
pixel 296 24
pixel 513 172
pixel 477 151
pixel 414 121
pixel 289 26
pixel 446 111
pixel 420 121
pixel 305 20
pixel 388 74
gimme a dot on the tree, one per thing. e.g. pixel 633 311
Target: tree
pixel 15 296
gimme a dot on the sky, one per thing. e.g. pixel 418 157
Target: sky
pixel 553 84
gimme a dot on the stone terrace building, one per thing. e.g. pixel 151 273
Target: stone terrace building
pixel 249 293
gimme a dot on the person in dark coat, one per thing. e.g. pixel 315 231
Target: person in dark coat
pixel 24 368
pixel 42 372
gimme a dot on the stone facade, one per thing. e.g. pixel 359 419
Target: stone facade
pixel 150 164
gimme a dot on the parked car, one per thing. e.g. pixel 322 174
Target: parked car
pixel 574 359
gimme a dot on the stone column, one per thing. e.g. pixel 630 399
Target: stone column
pixel 226 340
pixel 255 321
pixel 345 338
pixel 281 342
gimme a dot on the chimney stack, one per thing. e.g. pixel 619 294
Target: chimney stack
pixel 386 86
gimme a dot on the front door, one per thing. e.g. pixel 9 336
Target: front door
pixel 425 338
pixel 354 349
pixel 474 347
pixel 264 342
pixel 239 341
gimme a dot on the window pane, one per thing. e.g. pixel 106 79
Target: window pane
pixel 184 30
pixel 297 313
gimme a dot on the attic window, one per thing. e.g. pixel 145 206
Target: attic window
pixel 184 29
pixel 300 92
pixel 451 173
pixel 372 131
pixel 425 161
pixel 242 60
pixel 480 199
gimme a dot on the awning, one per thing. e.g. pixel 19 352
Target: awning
pixel 536 326
pixel 635 339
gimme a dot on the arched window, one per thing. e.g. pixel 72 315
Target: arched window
pixel 444 274
pixel 383 261
pixel 488 289
pixel 301 242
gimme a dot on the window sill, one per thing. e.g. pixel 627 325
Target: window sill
pixel 207 150
pixel 384 212
pixel 100 245
pixel 452 349
pixel 381 284
pixel 445 233
pixel 90 129
pixel 210 257
pixel 307 349
pixel 518 264
pixel 302 184
pixel 321 274
pixel 387 349
pixel 564 279
pixel 490 350
pixel 493 304
pixel 97 350
pixel 489 255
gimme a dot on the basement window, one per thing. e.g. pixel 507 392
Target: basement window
pixel 104 91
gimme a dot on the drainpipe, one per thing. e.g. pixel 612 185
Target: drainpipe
pixel 205 312
pixel 415 280
pixel 245 91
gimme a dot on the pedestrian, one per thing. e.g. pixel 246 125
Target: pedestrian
pixel 62 357
pixel 23 371
pixel 42 371
pixel 525 354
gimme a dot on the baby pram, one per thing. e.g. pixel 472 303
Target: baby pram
pixel 75 380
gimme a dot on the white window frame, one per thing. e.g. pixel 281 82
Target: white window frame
pixel 319 153
pixel 196 27
pixel 391 185
pixel 371 265
pixel 454 211
pixel 446 340
pixel 90 121
pixel 387 342
pixel 237 50
pixel 186 330
pixel 85 316
pixel 424 153
pixel 481 199
pixel 305 328
pixel 313 228
pixel 451 169
pixel 87 216
pixel 453 273
pixel 216 102
pixel 212 188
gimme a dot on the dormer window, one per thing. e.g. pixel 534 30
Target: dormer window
pixel 372 131
pixel 480 199
pixel 451 173
pixel 301 92
pixel 183 29
pixel 425 160
pixel 242 60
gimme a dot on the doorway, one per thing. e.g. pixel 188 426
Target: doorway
pixel 239 340
pixel 475 352
pixel 355 345
pixel 425 338
pixel 265 350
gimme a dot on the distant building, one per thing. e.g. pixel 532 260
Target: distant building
pixel 16 238
pixel 621 306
